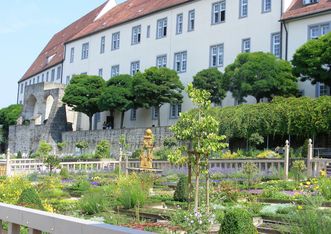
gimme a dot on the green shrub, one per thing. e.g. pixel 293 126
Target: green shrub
pixel 30 198
pixel 170 142
pixel 11 189
pixel 325 187
pixel 93 202
pixel 237 221
pixel 64 173
pixel 136 154
pixel 162 154
pixel 250 170
pixel 181 192
pixel 102 150
pixel 298 168
pixel 268 154
pixel 79 188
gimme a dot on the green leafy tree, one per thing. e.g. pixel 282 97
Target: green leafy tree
pixel 43 150
pixel 52 163
pixel 118 95
pixel 102 150
pixel 312 61
pixel 157 86
pixel 199 133
pixel 82 145
pixel 214 82
pixel 260 75
pixel 83 94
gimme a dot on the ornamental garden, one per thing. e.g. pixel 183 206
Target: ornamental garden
pixel 193 194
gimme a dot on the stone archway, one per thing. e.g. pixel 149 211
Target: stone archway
pixel 31 107
pixel 49 104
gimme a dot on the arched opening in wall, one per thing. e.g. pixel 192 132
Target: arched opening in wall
pixel 31 108
pixel 49 105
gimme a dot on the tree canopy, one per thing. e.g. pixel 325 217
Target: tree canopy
pixel 83 94
pixel 312 61
pixel 157 86
pixel 260 75
pixel 118 95
pixel 213 81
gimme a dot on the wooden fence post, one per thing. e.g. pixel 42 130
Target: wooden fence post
pixel 310 158
pixel 8 166
pixel 286 160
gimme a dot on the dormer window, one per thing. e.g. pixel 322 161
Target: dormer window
pixel 308 2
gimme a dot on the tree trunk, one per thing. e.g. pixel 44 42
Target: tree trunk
pixel 158 116
pixel 197 178
pixel 90 122
pixel 207 186
pixel 189 181
pixel 122 119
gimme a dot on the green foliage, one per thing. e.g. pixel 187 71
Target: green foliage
pixel 268 154
pixel 30 198
pixel 93 202
pixel 181 192
pixel 157 86
pixel 51 187
pixel 237 221
pixel 8 116
pixel 102 150
pixel 11 189
pixel 82 145
pixel 250 170
pixel 211 80
pixel 260 75
pixel 325 187
pixel 162 153
pixel 298 168
pixel 170 142
pixel 60 146
pixel 83 93
pixel 136 154
pixel 52 163
pixel 312 61
pixel 43 150
pixel 64 173
pixel 227 192
pixel 79 188
pixel 256 139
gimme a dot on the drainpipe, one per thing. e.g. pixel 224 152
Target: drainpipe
pixel 286 41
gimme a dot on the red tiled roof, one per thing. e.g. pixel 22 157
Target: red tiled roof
pixel 56 45
pixel 127 11
pixel 297 9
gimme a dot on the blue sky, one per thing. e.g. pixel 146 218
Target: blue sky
pixel 25 28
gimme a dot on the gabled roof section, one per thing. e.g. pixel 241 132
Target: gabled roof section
pixel 297 9
pixel 53 53
pixel 125 12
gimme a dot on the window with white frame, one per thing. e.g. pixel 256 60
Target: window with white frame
pixel 85 50
pixel 58 72
pixel 179 24
pixel 115 44
pixel 246 45
pixel 102 44
pixel 47 76
pixel 133 116
pixel 148 31
pixel 38 79
pixel 316 31
pixel 115 70
pixel 161 61
pixel 135 67
pixel 53 75
pixel 72 54
pixel 33 80
pixel 22 88
pixel 218 12
pixel 162 26
pixel 155 113
pixel 42 77
pixel 323 90
pixel 243 8
pixel 308 2
pixel 266 6
pixel 217 55
pixel 191 20
pixel 67 79
pixel 275 44
pixel 181 61
pixel 136 35
pixel 100 72
pixel 175 110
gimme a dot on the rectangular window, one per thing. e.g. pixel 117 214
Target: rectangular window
pixel 47 76
pixel 155 113
pixel 135 67
pixel 323 90
pixel 136 35
pixel 85 50
pixel 161 61
pixel 217 55
pixel 38 79
pixel 68 80
pixel 100 72
pixel 181 62
pixel 318 30
pixel 42 77
pixel 133 116
pixel 115 45
pixel 53 75
pixel 115 71
pixel 22 88
pixel 243 8
pixel 102 45
pixel 162 25
pixel 175 110
pixel 246 45
pixel 191 20
pixel 275 44
pixel 179 24
pixel 33 80
pixel 58 73
pixel 148 32
pixel 308 2
pixel 72 55
pixel 218 12
pixel 266 6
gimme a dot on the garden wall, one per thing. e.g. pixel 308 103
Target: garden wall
pixel 134 138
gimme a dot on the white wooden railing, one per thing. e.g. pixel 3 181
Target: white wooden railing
pixel 39 221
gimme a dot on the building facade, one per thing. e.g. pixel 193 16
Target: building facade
pixel 185 35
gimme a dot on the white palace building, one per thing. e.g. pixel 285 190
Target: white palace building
pixel 185 35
